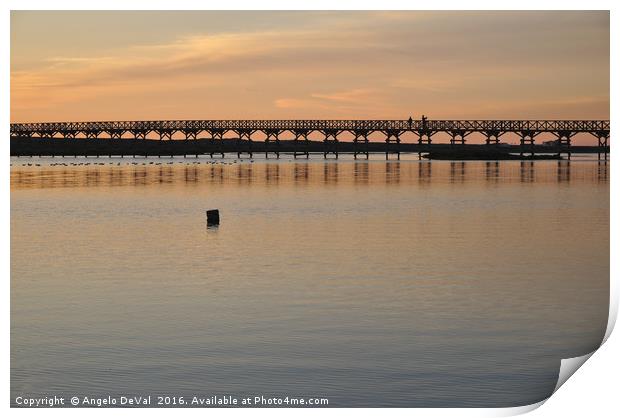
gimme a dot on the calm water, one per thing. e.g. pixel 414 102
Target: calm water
pixel 369 283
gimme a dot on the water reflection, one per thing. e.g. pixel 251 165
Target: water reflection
pixel 424 171
pixel 358 172
pixel 392 172
pixel 527 173
pixel 330 172
pixel 457 171
pixel 492 171
pixel 371 283
pixel 140 176
pixel 191 174
pixel 272 173
pixel 300 172
pixel 563 171
pixel 602 171
pixel 245 173
pixel 216 174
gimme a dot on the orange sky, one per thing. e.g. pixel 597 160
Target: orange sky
pixel 208 65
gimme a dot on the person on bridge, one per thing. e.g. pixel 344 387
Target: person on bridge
pixel 410 121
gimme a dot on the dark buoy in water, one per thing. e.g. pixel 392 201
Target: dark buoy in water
pixel 213 217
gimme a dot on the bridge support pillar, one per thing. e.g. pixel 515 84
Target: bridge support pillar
pixel 392 137
pixel 527 143
pixel 216 143
pixel 603 142
pixel 564 142
pixel 273 137
pixel 190 134
pixel 296 142
pixel 245 138
pixel 458 137
pixel 164 134
pixel 492 137
pixel 424 141
pixel 330 143
pixel 360 144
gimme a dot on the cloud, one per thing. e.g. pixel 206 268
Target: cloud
pixel 293 103
pixel 198 54
pixel 350 64
pixel 350 96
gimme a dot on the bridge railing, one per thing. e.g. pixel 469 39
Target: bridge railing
pixel 575 126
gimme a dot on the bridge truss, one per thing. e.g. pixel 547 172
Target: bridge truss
pixel 329 129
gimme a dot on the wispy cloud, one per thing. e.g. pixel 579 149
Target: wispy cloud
pixel 350 96
pixel 363 64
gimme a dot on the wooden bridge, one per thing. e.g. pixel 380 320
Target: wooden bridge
pixel 330 130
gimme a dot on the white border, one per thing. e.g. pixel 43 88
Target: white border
pixel 592 392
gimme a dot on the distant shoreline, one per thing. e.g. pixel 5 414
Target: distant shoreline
pixel 147 147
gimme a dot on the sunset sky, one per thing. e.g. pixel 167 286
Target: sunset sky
pixel 237 65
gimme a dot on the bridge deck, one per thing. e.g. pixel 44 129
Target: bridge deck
pixel 352 125
pixel 458 130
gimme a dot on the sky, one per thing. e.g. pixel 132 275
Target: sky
pixel 141 65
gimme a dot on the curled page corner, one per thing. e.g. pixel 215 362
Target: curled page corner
pixel 518 410
pixel 568 367
pixel 613 311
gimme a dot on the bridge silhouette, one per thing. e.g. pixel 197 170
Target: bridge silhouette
pixel 112 137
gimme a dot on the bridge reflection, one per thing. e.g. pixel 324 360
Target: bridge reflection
pixel 309 173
